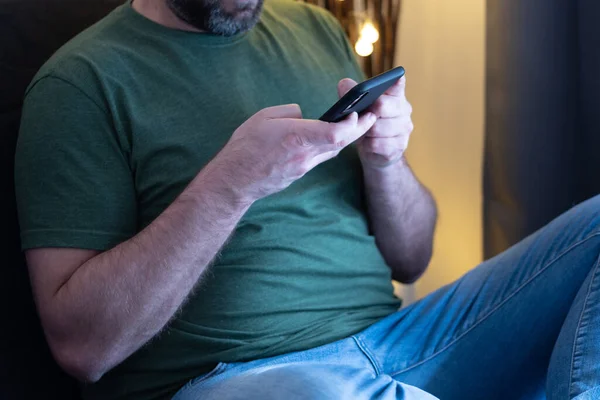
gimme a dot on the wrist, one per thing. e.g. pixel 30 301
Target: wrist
pixel 384 173
pixel 215 178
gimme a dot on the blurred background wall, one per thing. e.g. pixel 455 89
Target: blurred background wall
pixel 441 44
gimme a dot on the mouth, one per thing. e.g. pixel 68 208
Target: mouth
pixel 245 6
pixel 244 9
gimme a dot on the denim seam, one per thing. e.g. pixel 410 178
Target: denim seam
pixel 579 323
pixel 365 351
pixel 493 310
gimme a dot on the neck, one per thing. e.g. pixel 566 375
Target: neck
pixel 158 11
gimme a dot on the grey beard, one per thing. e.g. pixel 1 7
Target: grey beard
pixel 209 16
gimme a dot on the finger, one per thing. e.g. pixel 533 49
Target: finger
pixel 338 135
pixel 345 85
pixel 352 128
pixel 391 107
pixel 390 127
pixel 328 136
pixel 308 132
pixel 398 89
pixel 282 111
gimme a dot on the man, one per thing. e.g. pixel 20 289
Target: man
pixel 191 233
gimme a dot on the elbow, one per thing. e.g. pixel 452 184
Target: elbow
pixel 85 357
pixel 407 277
pixel 79 363
pixel 410 269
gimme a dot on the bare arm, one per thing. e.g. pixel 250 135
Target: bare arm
pixel 403 214
pixel 401 211
pixel 97 309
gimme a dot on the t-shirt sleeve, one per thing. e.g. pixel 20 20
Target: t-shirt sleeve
pixel 73 181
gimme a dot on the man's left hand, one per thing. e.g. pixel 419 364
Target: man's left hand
pixel 385 143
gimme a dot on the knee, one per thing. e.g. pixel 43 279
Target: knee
pixel 586 216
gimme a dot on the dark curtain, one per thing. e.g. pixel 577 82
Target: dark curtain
pixel 542 114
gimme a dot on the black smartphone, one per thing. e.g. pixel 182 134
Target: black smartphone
pixel 361 96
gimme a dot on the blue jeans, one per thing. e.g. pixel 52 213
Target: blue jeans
pixel 523 325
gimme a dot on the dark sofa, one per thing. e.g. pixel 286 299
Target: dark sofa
pixel 30 31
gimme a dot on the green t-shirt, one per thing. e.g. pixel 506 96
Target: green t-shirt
pixel 122 118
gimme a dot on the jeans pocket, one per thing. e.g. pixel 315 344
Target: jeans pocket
pixel 186 392
pixel 220 367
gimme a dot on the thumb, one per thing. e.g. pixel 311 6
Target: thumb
pixel 345 85
pixel 283 111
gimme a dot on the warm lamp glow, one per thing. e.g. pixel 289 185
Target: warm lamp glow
pixel 369 32
pixel 363 47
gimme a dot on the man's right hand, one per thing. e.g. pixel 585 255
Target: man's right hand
pixel 275 147
pixel 98 308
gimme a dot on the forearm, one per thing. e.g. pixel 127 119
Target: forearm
pixel 402 214
pixel 99 308
pixel 117 301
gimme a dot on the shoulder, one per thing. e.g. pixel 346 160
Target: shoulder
pixel 307 22
pixel 299 12
pixel 80 59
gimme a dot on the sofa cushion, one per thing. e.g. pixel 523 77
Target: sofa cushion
pixel 31 30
